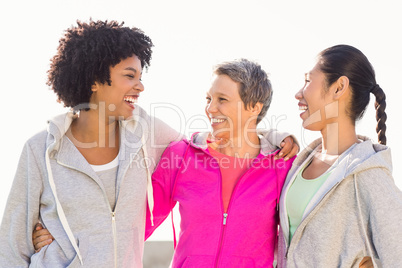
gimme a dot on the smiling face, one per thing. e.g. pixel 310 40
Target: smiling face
pixel 119 98
pixel 225 109
pixel 317 105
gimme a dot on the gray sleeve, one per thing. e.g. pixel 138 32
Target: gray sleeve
pixel 279 136
pixel 160 136
pixel 383 201
pixel 275 137
pixel 21 213
pixel 164 134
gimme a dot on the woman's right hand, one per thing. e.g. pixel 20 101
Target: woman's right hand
pixel 41 237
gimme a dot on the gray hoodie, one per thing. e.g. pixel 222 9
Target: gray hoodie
pixel 357 212
pixel 56 185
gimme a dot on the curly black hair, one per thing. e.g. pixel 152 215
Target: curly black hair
pixel 85 54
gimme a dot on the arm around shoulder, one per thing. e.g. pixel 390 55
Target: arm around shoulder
pixel 276 137
pixel 273 139
pixel 163 134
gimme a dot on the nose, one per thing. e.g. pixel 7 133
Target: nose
pixel 140 86
pixel 211 107
pixel 299 94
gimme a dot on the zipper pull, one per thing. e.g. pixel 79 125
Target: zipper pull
pixel 113 216
pixel 225 215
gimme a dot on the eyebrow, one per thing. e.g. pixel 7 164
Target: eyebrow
pixel 307 74
pixel 223 94
pixel 131 69
pixel 219 94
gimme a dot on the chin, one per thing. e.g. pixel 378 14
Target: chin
pixel 311 127
pixel 124 116
pixel 220 134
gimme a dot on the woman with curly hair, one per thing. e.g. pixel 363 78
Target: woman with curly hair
pixel 87 177
pixel 340 206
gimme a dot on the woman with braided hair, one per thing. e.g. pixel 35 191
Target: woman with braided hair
pixel 339 205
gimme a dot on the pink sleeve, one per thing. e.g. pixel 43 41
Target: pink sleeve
pixel 162 183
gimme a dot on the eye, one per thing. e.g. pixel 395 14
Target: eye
pixel 307 78
pixel 222 99
pixel 130 76
pixel 208 99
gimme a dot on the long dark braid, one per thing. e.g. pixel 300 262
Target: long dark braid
pixel 381 116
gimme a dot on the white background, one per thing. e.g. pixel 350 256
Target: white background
pixel 190 37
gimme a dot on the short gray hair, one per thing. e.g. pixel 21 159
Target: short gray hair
pixel 254 83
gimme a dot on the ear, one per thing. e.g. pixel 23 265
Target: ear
pixel 257 108
pixel 95 87
pixel 341 87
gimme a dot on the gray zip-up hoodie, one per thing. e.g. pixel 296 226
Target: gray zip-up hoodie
pixel 357 212
pixel 56 185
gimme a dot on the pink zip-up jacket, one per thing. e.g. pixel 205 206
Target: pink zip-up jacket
pixel 245 236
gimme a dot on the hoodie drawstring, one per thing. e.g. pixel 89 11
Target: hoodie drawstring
pixel 173 191
pixel 150 191
pixel 278 194
pixel 367 241
pixel 60 211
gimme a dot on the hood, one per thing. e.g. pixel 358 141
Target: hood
pixel 367 155
pixel 200 140
pixel 362 156
pixel 58 126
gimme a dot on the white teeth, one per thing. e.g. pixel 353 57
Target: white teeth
pixel 130 99
pixel 216 120
pixel 302 107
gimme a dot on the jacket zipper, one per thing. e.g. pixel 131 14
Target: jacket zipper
pixel 114 238
pixel 113 214
pixel 287 221
pixel 225 214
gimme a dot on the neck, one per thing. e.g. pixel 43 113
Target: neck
pixel 337 137
pixel 89 127
pixel 243 146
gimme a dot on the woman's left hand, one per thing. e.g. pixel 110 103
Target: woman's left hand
pixel 41 237
pixel 366 263
pixel 289 148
